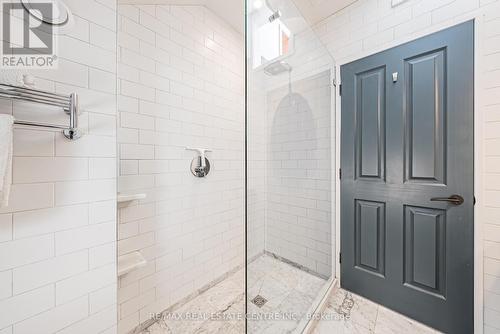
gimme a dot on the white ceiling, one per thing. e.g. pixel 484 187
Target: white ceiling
pixel 232 11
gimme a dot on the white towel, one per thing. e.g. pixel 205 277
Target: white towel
pixel 6 142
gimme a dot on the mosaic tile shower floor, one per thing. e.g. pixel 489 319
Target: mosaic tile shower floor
pixel 278 287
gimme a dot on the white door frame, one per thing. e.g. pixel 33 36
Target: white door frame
pixel 478 162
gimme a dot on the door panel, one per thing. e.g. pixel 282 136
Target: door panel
pixel 370 236
pixel 425 118
pixel 425 249
pixel 370 130
pixel 403 143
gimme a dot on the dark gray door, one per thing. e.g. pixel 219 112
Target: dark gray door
pixel 407 148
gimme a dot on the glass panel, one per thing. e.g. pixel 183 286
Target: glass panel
pixel 290 141
pixel 271 37
pixel 181 162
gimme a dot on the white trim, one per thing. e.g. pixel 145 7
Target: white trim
pixel 333 165
pixel 478 185
pixel 478 160
pixel 316 315
pixel 338 114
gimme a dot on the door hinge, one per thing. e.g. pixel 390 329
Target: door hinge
pixel 474 200
pixel 340 257
pixel 340 173
pixel 340 89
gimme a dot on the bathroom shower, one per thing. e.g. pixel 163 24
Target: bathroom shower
pixel 217 239
pixel 195 166
pixel 289 223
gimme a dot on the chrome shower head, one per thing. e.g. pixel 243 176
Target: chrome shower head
pixel 277 67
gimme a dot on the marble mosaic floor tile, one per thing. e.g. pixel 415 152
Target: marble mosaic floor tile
pixel 347 313
pixel 288 290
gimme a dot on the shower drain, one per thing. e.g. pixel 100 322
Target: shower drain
pixel 259 301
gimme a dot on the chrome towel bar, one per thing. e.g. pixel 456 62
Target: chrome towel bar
pixel 68 102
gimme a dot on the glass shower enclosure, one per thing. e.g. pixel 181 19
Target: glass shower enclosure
pixel 226 217
pixel 290 145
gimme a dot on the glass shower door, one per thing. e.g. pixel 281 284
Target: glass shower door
pixel 290 140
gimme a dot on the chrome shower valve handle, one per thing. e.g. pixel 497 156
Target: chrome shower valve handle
pixel 201 153
pixel 200 166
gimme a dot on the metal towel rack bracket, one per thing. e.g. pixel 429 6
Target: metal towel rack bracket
pixel 69 103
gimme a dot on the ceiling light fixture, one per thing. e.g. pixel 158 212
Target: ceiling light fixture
pixel 60 15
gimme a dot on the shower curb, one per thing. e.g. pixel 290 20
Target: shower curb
pixel 296 265
pixel 323 304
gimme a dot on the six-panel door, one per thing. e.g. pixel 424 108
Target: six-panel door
pixel 407 147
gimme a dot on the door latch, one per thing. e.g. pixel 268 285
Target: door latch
pixel 395 76
pixel 454 199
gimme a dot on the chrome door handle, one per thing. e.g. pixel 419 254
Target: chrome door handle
pixel 453 199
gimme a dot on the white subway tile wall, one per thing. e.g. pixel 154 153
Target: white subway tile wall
pixel 257 165
pixel 299 223
pixel 58 234
pixel 370 26
pixel 181 81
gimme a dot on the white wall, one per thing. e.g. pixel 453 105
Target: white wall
pixel 369 26
pixel 57 236
pixel 181 85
